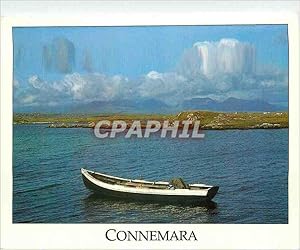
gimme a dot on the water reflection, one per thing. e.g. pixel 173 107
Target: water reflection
pixel 107 210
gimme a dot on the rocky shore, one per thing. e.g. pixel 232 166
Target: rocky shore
pixel 72 125
pixel 205 127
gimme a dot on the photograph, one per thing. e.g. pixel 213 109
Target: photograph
pixel 150 124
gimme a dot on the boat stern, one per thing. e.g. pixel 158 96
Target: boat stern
pixel 212 192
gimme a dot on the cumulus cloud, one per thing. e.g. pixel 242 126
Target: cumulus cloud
pixel 74 88
pixel 47 57
pixel 28 99
pixel 16 83
pixel 18 54
pixel 59 56
pixel 227 56
pixel 229 68
pixel 163 86
pixel 222 69
pixel 87 63
pixel 36 82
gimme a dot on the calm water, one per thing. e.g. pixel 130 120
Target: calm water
pixel 251 168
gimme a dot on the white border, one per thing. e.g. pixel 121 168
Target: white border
pixel 92 236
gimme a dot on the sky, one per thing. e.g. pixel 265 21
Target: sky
pixel 56 66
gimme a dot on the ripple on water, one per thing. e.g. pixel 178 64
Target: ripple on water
pixel 251 168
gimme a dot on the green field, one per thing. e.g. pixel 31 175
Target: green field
pixel 208 119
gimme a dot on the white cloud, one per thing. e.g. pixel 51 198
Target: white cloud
pixel 59 55
pixel 227 56
pixel 209 69
pixel 28 99
pixel 36 82
pixel 167 87
pixel 16 83
pixel 74 87
pixel 268 83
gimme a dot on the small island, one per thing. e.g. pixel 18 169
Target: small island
pixel 208 120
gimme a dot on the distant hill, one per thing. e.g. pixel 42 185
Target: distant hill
pixel 116 106
pixel 128 106
pixel 156 106
pixel 231 104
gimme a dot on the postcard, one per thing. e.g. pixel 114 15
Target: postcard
pixel 150 135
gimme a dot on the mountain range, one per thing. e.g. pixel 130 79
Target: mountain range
pixel 156 106
pixel 230 105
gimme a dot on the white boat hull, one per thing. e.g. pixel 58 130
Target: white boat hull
pixel 197 193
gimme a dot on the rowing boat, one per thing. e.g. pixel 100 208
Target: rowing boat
pixel 141 190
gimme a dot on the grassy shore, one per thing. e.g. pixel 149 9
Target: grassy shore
pixel 208 119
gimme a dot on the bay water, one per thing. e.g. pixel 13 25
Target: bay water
pixel 249 166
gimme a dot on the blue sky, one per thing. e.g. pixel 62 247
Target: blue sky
pixel 133 52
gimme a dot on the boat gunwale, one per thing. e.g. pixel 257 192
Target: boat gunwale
pixel 197 185
pixel 143 190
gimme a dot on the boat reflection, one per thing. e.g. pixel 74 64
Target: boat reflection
pixel 109 210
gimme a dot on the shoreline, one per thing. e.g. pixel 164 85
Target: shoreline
pixel 208 120
pixel 60 126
